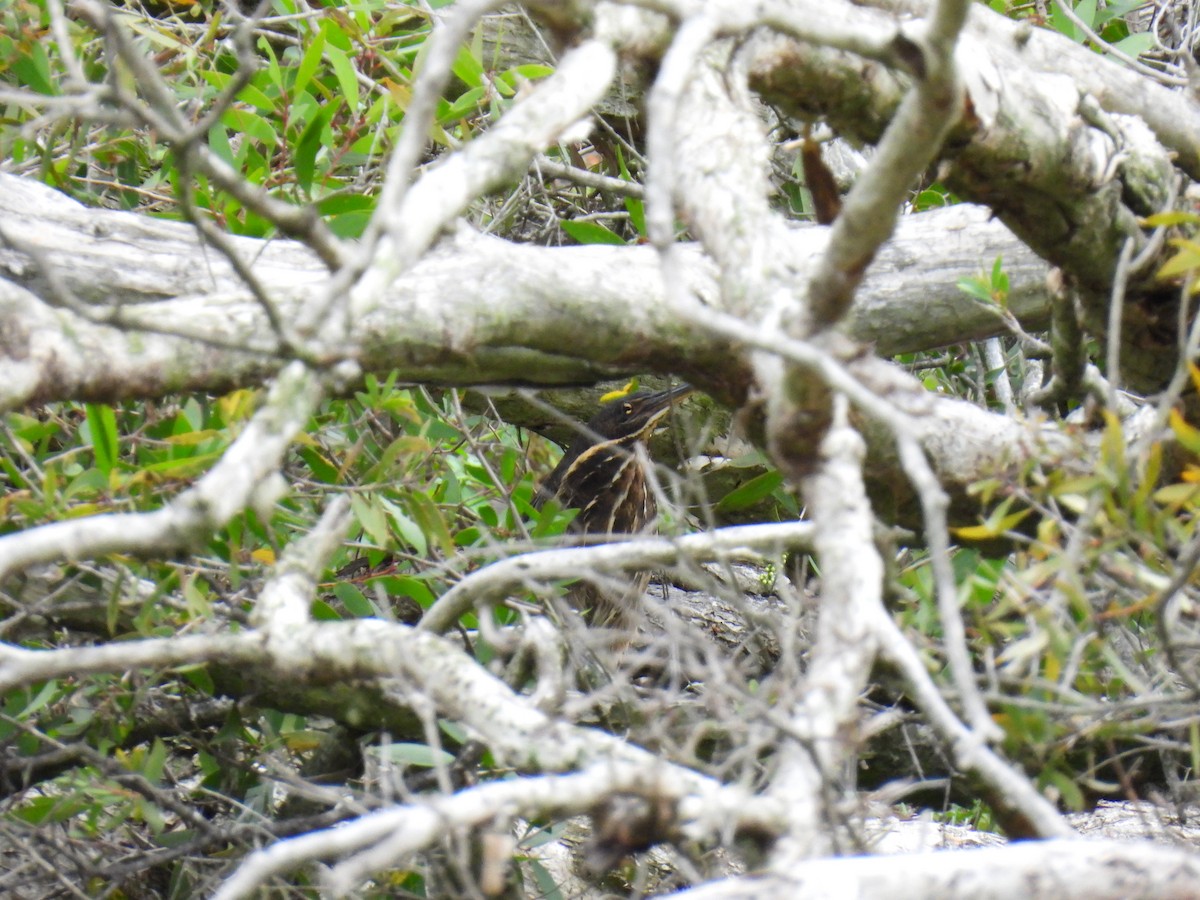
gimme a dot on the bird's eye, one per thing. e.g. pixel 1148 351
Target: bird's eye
pixel 629 409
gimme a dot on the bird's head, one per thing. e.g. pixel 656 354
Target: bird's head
pixel 634 417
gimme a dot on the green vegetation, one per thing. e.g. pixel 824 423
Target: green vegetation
pixel 1066 616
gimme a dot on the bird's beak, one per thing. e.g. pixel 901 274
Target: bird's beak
pixel 658 405
pixel 663 399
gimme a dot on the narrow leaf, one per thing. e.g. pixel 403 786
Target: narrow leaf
pixel 590 233
pixel 1188 435
pixel 102 426
pixel 309 144
pixel 433 524
pixel 468 69
pixel 346 76
pixel 1175 217
pixel 371 518
pixel 309 63
pixel 751 492
pixel 354 601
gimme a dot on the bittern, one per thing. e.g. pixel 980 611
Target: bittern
pixel 602 476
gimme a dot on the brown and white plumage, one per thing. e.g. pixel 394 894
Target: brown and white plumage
pixel 601 474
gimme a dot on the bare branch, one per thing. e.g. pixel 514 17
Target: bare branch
pixel 1043 870
pixel 385 839
pixel 162 280
pixel 910 143
pixel 839 666
pixel 492 582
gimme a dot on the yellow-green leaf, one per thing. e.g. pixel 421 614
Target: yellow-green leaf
pixel 1176 495
pixel 433 524
pixel 371 518
pixel 995 526
pixel 1187 435
pixel 1175 217
pixel 1187 259
pixel 191 438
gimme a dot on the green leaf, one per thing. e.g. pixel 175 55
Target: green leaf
pixel 468 69
pixel 1116 9
pixel 590 232
pixel 465 105
pixel 32 431
pixel 405 451
pixel 48 693
pixel 454 731
pixel 323 612
pixel 547 885
pixel 33 70
pixel 321 468
pixel 349 226
pixel 191 439
pixel 154 762
pixel 347 78
pixel 309 63
pixel 310 143
pixel 88 484
pixel 252 125
pixel 1062 24
pixel 102 428
pixel 1086 11
pixel 40 810
pixel 354 600
pixel 1068 790
pixel 637 214
pixel 305 107
pixel 1186 260
pixel 1174 217
pixel 429 517
pixel 508 83
pixel 250 93
pixel 1187 434
pixel 408 530
pixel 184 467
pixel 633 205
pixel 198 677
pixel 404 586
pixel 273 72
pixel 976 288
pixel 746 495
pixel 514 78
pixel 1136 44
pixel 468 537
pixel 335 30
pixel 997 525
pixel 418 755
pixel 369 514
pixel 928 200
pixel 540 837
pixel 999 277
pixel 340 204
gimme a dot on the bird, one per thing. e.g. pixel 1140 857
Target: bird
pixel 603 476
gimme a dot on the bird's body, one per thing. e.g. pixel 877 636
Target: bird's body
pixel 602 475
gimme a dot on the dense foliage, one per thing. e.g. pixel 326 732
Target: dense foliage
pixel 157 781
